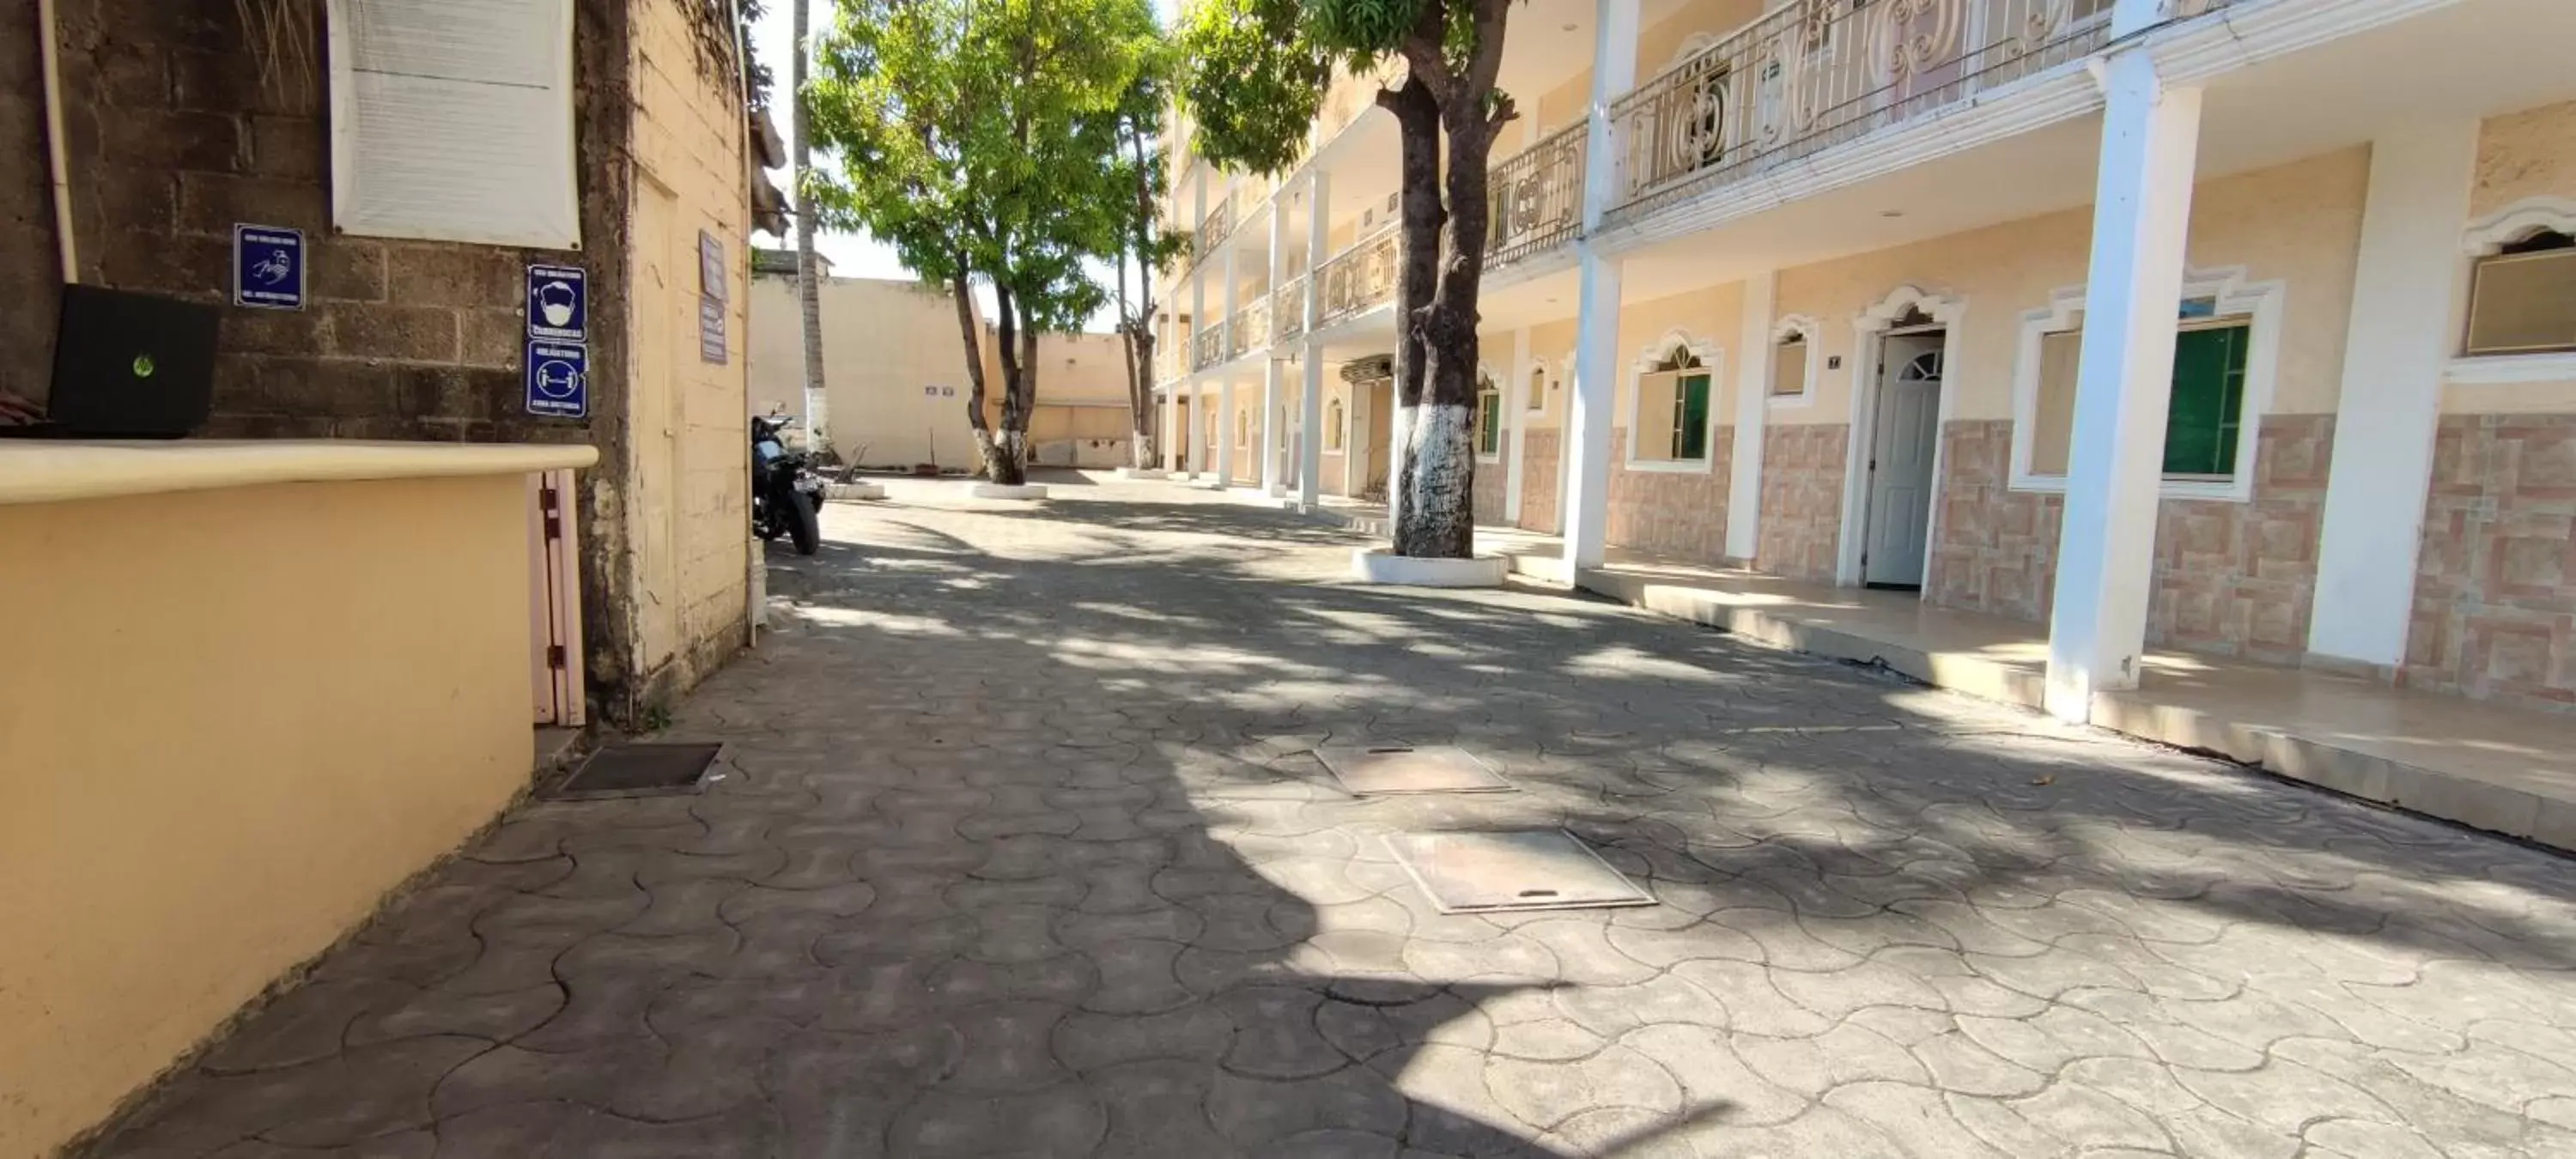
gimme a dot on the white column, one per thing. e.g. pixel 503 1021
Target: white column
pixel 2141 222
pixel 2391 401
pixel 1596 353
pixel 1310 449
pixel 1753 365
pixel 1225 382
pixel 1515 393
pixel 1272 470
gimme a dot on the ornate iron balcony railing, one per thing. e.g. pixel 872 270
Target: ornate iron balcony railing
pixel 1818 73
pixel 1207 347
pixel 1288 310
pixel 1359 278
pixel 1536 197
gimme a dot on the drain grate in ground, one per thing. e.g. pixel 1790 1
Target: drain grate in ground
pixel 632 769
pixel 1542 869
pixel 1395 770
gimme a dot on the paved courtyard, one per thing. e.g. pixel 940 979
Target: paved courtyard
pixel 1022 849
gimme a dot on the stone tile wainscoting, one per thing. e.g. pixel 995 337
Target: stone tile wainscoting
pixel 1802 499
pixel 1671 512
pixel 1995 550
pixel 1538 481
pixel 2495 581
pixel 1492 479
pixel 2240 579
pixel 2231 579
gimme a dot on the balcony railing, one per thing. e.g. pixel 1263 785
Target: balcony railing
pixel 1207 348
pixel 1249 329
pixel 1536 197
pixel 2186 9
pixel 1359 278
pixel 1213 229
pixel 1818 73
pixel 1288 310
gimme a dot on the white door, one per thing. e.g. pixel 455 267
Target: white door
pixel 1900 465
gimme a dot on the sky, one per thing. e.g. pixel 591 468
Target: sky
pixel 856 255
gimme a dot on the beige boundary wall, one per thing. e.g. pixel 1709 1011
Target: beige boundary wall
pixel 230 721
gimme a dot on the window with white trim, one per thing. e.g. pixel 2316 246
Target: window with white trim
pixel 2522 298
pixel 1333 426
pixel 1789 367
pixel 1675 403
pixel 1243 429
pixel 1537 388
pixel 1489 419
pixel 2204 415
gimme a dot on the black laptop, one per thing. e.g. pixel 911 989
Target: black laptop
pixel 129 366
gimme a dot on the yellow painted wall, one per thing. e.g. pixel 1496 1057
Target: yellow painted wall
pixel 689 470
pixel 225 731
pixel 2527 154
pixel 890 350
pixel 2298 223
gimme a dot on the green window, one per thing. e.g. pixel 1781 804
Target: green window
pixel 1489 421
pixel 1690 417
pixel 2208 405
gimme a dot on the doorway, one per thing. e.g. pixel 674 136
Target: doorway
pixel 1904 443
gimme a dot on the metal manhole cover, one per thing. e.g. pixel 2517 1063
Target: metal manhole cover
pixel 639 768
pixel 1537 870
pixel 1393 770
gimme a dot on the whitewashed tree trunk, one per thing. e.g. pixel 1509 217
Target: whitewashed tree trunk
pixel 1437 476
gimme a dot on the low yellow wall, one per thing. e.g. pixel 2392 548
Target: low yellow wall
pixel 229 721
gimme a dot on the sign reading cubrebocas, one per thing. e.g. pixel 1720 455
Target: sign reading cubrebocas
pixel 268 267
pixel 559 303
pixel 558 356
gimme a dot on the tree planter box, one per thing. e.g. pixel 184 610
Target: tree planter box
pixel 1142 473
pixel 1377 565
pixel 853 491
pixel 998 491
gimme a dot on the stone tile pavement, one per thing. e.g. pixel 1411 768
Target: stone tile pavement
pixel 1021 851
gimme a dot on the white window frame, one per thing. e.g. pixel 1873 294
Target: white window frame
pixel 1337 428
pixel 1808 328
pixel 1486 379
pixel 1712 359
pixel 2263 304
pixel 2486 238
pixel 1547 385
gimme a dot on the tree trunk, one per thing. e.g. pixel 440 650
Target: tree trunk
pixel 1421 215
pixel 1005 451
pixel 1140 328
pixel 809 291
pixel 962 289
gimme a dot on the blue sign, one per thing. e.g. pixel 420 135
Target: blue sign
pixel 268 267
pixel 558 303
pixel 558 379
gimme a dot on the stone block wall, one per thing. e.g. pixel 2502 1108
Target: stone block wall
pixel 1802 499
pixel 2495 580
pixel 175 137
pixel 1539 451
pixel 1994 548
pixel 1678 513
pixel 2239 579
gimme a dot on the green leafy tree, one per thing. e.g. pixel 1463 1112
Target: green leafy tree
pixel 1256 72
pixel 979 139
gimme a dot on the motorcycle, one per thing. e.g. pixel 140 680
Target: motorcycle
pixel 786 493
